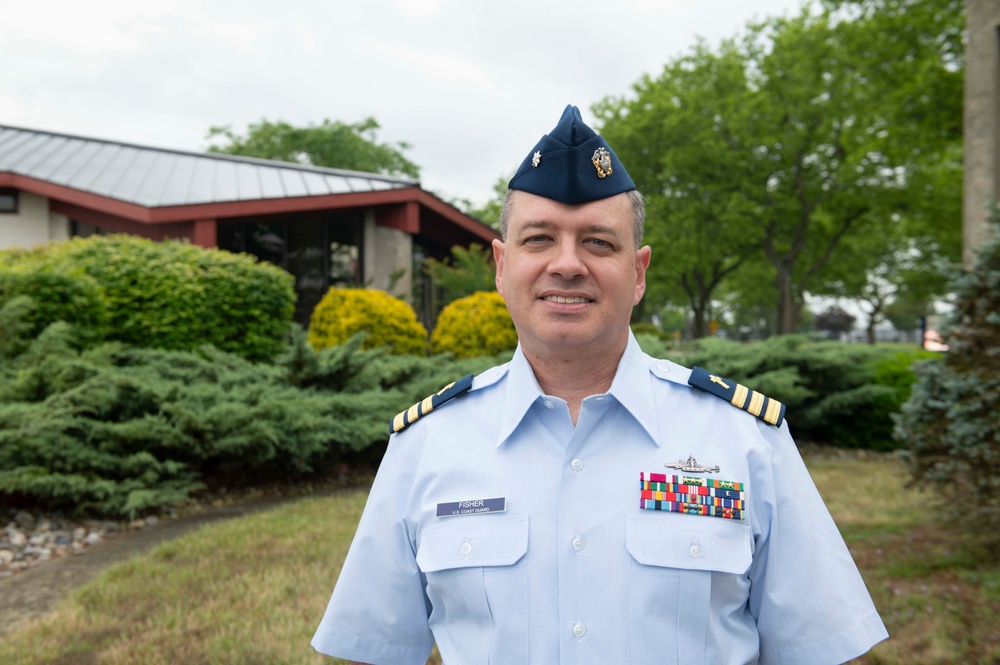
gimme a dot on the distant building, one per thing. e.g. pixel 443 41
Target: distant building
pixel 981 123
pixel 327 227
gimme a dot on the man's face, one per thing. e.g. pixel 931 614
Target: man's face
pixel 570 274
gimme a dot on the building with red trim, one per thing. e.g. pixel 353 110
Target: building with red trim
pixel 328 227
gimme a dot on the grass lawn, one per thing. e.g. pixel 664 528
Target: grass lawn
pixel 252 590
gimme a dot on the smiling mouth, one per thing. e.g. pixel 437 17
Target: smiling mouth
pixel 567 301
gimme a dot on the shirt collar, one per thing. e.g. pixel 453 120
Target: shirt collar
pixel 631 387
pixel 522 390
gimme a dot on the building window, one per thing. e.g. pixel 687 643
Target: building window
pixel 320 251
pixel 8 200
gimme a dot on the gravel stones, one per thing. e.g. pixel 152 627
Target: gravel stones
pixel 29 539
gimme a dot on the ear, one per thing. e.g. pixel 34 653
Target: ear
pixel 642 257
pixel 498 257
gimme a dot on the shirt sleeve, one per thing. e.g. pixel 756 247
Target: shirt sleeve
pixel 807 596
pixel 378 612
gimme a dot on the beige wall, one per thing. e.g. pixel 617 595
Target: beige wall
pixel 982 122
pixel 32 224
pixel 386 251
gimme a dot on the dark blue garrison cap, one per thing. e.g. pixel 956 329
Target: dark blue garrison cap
pixel 572 164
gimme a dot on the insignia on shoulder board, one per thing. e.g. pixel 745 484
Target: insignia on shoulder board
pixel 769 410
pixel 406 418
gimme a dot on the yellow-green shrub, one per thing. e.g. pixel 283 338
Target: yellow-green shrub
pixel 476 325
pixel 167 295
pixel 389 321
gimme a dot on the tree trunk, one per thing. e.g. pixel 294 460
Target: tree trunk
pixel 787 308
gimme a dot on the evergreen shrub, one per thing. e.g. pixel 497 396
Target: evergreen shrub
pixel 173 295
pixel 388 322
pixel 951 423
pixel 119 431
pixel 476 325
pixel 838 394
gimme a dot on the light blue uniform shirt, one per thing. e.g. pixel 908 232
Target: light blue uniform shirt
pixel 574 571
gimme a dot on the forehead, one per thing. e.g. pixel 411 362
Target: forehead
pixel 528 209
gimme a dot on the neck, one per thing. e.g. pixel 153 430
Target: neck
pixel 572 377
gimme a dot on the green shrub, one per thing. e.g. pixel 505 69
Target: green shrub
pixel 389 322
pixel 56 295
pixel 476 325
pixel 840 394
pixel 173 295
pixel 950 423
pixel 118 431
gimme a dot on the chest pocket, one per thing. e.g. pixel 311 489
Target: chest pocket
pixel 674 560
pixel 474 571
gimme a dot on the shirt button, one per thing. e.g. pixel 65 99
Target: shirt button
pixel 466 548
pixel 695 551
pixel 549 404
pixel 576 464
pixel 663 367
pixel 578 543
pixel 579 629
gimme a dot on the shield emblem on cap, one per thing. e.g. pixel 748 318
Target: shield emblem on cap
pixel 602 162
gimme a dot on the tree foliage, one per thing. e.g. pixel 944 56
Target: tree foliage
pixel 950 423
pixel 782 147
pixel 835 319
pixel 469 270
pixel 332 144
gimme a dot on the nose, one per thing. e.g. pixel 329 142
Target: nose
pixel 567 262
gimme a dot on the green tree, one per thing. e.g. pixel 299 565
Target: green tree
pixel 793 147
pixel 489 211
pixel 676 136
pixel 468 271
pixel 331 144
pixel 950 422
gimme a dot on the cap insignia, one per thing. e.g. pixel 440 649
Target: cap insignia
pixel 536 159
pixel 602 162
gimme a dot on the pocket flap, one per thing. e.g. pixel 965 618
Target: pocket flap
pixel 464 542
pixel 689 542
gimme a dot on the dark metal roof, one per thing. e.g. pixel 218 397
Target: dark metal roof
pixel 156 177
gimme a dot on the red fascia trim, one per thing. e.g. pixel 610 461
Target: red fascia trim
pixel 96 202
pixel 450 213
pixel 187 213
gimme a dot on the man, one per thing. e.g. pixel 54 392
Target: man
pixel 586 503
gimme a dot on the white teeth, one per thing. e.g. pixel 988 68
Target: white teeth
pixel 560 299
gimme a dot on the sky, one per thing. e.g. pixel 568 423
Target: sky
pixel 470 85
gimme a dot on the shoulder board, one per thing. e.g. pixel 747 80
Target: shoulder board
pixel 769 410
pixel 406 418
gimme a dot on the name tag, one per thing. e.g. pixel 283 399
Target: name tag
pixel 472 507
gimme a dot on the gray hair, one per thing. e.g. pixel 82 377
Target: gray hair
pixel 634 197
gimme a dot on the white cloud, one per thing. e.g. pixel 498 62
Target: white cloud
pixel 418 7
pixel 447 68
pixel 114 26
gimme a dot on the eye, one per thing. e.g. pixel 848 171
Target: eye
pixel 599 242
pixel 536 240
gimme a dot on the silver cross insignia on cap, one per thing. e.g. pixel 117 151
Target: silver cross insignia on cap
pixel 536 159
pixel 691 466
